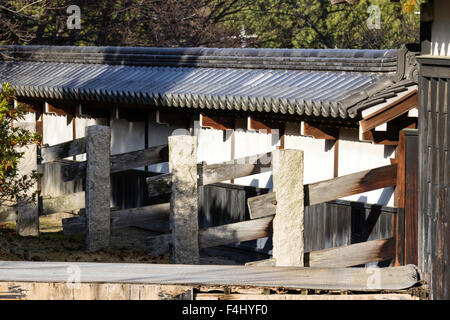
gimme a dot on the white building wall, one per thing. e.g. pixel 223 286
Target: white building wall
pixel 357 156
pixel 249 143
pixel 318 154
pixel 440 37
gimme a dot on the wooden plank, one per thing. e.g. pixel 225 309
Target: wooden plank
pixel 411 201
pixel 217 236
pixel 121 162
pixel 235 232
pixel 262 206
pixel 237 296
pixel 66 203
pixel 208 174
pixel 264 125
pixel 320 131
pixel 262 263
pixel 159 185
pixel 237 168
pixel 323 191
pixel 144 217
pixel 360 279
pixel 352 255
pixel 63 150
pixel 390 112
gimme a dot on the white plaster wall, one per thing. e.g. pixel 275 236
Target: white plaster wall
pixel 214 146
pixel 440 37
pixel 56 129
pixel 80 130
pixel 357 156
pixel 248 143
pixel 158 135
pixel 318 154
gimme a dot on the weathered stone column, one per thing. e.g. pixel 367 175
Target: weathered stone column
pixel 28 212
pixel 184 200
pixel 288 221
pixel 98 187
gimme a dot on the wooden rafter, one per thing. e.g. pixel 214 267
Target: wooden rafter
pixel 390 112
pixel 216 122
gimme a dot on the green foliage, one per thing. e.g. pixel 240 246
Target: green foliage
pixel 219 23
pixel 318 24
pixel 13 186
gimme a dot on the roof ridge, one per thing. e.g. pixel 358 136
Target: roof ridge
pixel 357 60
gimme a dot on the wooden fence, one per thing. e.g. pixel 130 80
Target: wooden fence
pixel 173 228
pixel 262 210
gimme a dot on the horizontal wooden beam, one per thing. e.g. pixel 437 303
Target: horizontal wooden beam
pixel 63 150
pixel 217 236
pixel 213 173
pixel 65 203
pixel 390 112
pixel 237 168
pixel 120 162
pixel 332 189
pixel 264 125
pixel 345 256
pixel 352 255
pixel 320 131
pixel 153 217
pixel 159 185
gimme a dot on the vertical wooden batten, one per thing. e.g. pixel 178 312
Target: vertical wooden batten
pixel 406 196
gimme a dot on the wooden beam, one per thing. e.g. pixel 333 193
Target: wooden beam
pixel 264 125
pixel 159 185
pixel 345 256
pixel 391 135
pixel 66 203
pixel 320 131
pixel 63 150
pixel 60 110
pixel 144 217
pixel 331 189
pixel 352 255
pixel 390 112
pixel 237 168
pixel 213 173
pixel 217 236
pixel 406 192
pixel 216 122
pixel 121 162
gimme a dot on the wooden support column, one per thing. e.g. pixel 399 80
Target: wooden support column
pixel 288 243
pixel 184 200
pixel 98 187
pixel 28 211
pixel 407 196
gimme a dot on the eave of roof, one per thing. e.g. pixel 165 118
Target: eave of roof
pixel 312 82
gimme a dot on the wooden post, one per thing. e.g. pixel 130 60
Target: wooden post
pixel 288 244
pixel 407 197
pixel 28 212
pixel 184 200
pixel 98 187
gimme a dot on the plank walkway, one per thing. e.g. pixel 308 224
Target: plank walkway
pixel 364 279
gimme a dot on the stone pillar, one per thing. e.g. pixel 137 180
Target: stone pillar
pixel 184 200
pixel 28 212
pixel 98 187
pixel 288 222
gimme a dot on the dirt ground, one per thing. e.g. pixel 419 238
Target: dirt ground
pixel 53 245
